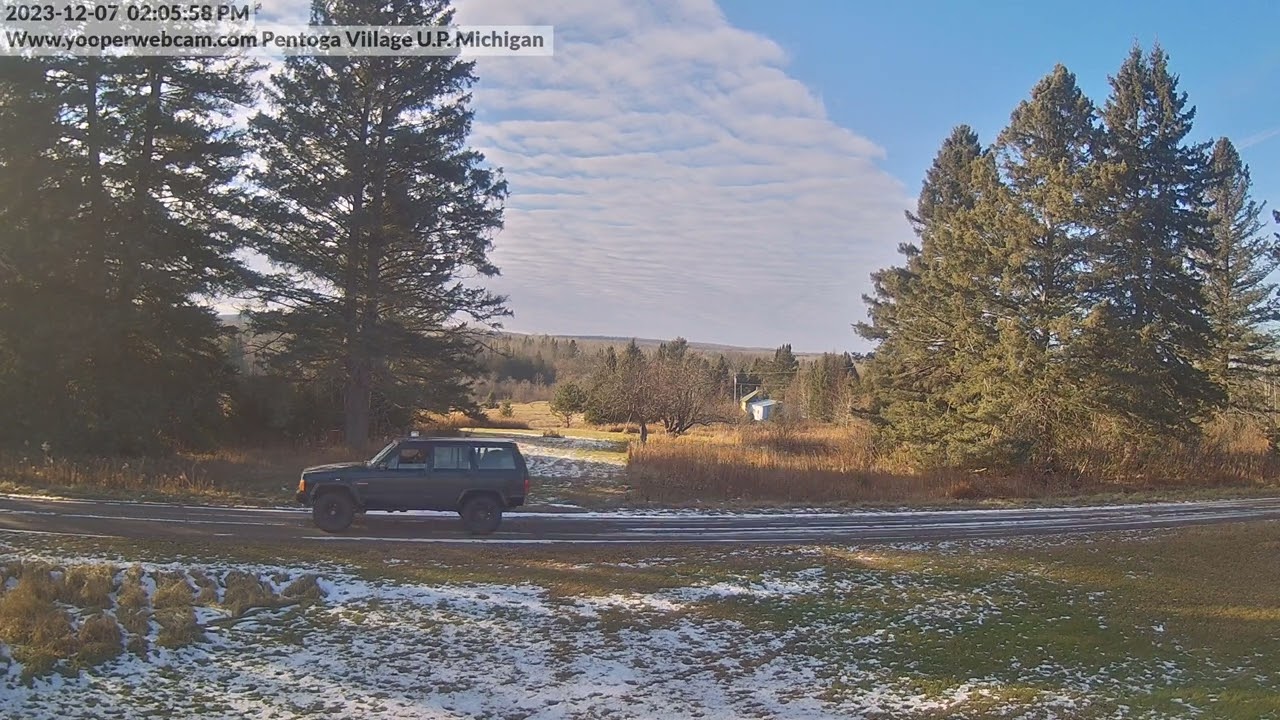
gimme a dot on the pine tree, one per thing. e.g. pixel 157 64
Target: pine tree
pixel 823 382
pixel 931 315
pixel 381 215
pixel 569 400
pixel 777 373
pixel 1046 160
pixel 1241 302
pixel 724 376
pixel 139 164
pixel 1148 332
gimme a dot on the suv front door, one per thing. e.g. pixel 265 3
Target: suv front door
pixel 403 482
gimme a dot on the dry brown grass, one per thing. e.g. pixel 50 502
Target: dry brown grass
pixel 453 422
pixel 206 588
pixel 37 631
pixel 245 592
pixel 833 465
pixel 304 589
pixel 99 639
pixel 75 618
pixel 175 612
pixel 133 610
pixel 88 586
pixel 267 475
pixel 526 416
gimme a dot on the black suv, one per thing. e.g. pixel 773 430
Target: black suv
pixel 477 478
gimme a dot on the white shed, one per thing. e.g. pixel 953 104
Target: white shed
pixel 763 409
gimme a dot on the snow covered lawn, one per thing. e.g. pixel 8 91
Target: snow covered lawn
pixel 570 457
pixel 952 630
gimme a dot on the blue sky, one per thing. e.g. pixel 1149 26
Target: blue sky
pixel 904 73
pixel 732 172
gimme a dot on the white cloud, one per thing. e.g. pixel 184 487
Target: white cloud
pixel 669 178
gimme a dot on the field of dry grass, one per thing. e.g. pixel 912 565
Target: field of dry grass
pixel 792 463
pixel 538 416
pixel 267 475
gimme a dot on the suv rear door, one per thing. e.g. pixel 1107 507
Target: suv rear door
pixel 450 475
pixel 499 467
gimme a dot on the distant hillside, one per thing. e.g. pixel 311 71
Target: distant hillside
pixel 239 321
pixel 651 343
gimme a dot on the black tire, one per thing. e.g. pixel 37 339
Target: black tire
pixel 333 511
pixel 481 514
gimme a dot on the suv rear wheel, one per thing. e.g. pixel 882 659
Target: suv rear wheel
pixel 333 511
pixel 481 514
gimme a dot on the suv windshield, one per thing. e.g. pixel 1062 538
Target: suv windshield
pixel 383 454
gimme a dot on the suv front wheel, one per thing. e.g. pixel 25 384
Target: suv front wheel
pixel 481 514
pixel 333 511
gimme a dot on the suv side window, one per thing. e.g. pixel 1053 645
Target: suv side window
pixel 495 458
pixel 410 456
pixel 450 457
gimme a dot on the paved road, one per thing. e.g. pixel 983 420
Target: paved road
pixel 20 514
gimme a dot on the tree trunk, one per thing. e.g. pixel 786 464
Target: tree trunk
pixel 644 432
pixel 356 403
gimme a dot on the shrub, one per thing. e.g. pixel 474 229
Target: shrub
pixel 305 588
pixel 88 586
pixel 38 632
pixel 100 640
pixel 245 592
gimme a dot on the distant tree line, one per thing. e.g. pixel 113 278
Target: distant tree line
pixel 677 388
pixel 1092 272
pixel 128 198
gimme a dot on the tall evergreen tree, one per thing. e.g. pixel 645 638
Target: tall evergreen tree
pixel 784 361
pixel 135 223
pixel 1046 158
pixel 1148 332
pixel 723 376
pixel 932 315
pixel 381 216
pixel 826 386
pixel 1241 302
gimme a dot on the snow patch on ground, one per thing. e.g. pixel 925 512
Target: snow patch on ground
pixel 570 458
pixel 404 650
pixel 812 641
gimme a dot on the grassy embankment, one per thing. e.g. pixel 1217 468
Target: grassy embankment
pixel 1156 622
